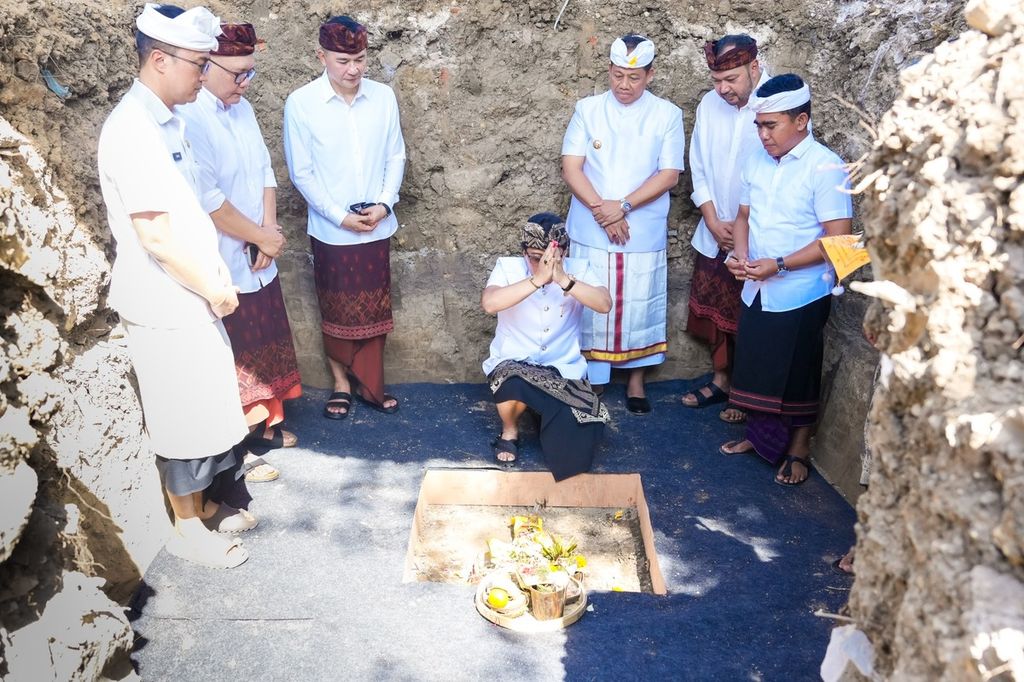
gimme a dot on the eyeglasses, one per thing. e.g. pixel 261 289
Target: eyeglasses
pixel 204 66
pixel 240 77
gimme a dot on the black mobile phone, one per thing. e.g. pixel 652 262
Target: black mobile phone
pixel 359 207
pixel 252 252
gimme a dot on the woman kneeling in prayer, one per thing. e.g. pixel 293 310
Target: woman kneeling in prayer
pixel 535 357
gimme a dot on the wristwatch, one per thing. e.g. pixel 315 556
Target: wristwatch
pixel 780 263
pixel 570 285
pixel 625 206
pixel 387 208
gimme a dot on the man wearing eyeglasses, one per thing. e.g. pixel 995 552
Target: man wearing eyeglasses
pixel 238 190
pixel 171 287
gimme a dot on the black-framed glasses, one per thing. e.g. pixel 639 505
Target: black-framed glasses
pixel 240 76
pixel 203 66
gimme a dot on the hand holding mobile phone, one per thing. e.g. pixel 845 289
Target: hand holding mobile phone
pixel 252 252
pixel 361 206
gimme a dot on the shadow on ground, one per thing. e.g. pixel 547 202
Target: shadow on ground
pixel 746 561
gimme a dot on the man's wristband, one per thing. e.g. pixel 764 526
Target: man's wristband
pixel 530 280
pixel 387 209
pixel 572 283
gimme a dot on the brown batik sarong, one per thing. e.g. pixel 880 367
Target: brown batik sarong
pixel 353 287
pixel 714 308
pixel 261 340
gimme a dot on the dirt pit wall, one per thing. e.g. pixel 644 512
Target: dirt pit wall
pixel 940 561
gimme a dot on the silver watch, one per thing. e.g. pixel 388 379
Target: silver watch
pixel 625 206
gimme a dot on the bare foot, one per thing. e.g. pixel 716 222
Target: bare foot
pixel 732 415
pixel 794 470
pixel 736 447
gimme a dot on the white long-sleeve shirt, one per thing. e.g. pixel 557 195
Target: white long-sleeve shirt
pixel 623 146
pixel 146 165
pixel 340 154
pixel 723 139
pixel 234 166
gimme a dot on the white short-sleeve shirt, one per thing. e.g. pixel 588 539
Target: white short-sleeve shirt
pixel 146 165
pixel 789 199
pixel 623 146
pixel 543 328
pixel 234 166
pixel 341 154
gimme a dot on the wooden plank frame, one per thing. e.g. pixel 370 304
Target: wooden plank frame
pixel 526 488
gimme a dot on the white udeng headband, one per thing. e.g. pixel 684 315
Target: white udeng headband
pixel 196 29
pixel 781 101
pixel 641 56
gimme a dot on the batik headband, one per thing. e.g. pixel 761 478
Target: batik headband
pixel 343 34
pixel 740 55
pixel 536 236
pixel 236 40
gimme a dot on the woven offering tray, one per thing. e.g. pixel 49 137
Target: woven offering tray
pixel 516 615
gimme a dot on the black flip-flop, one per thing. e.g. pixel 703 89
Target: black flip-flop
pixel 717 396
pixel 504 445
pixel 338 399
pixel 787 470
pixel 273 443
pixel 378 406
pixel 638 405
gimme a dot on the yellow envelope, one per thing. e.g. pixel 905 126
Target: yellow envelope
pixel 846 253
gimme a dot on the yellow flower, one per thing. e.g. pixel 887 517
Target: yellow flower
pixel 581 561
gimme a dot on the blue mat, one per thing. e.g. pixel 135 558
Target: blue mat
pixel 746 561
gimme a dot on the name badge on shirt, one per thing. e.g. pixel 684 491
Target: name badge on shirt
pixel 176 156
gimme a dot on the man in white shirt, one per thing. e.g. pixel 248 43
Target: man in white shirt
pixel 792 193
pixel 238 190
pixel 622 153
pixel 535 360
pixel 346 155
pixel 171 287
pixel 723 137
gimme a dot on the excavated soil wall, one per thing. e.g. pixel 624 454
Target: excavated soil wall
pixel 486 89
pixel 940 562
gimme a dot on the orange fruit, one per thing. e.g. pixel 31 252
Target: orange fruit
pixel 497 598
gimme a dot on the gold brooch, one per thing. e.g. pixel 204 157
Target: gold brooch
pixel 597 144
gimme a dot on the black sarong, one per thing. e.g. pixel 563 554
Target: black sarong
pixel 572 416
pixel 777 372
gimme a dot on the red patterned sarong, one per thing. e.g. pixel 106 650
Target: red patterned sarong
pixel 261 340
pixel 353 286
pixel 714 307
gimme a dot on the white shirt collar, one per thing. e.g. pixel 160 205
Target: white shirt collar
pixel 149 100
pixel 802 148
pixel 211 102
pixel 328 91
pixel 640 102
